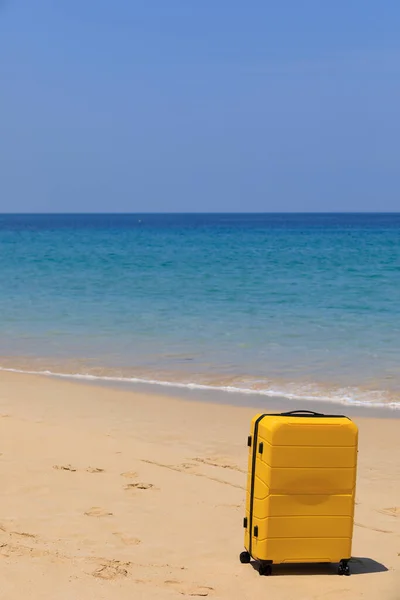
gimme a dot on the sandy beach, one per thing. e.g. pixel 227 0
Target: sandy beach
pixel 115 494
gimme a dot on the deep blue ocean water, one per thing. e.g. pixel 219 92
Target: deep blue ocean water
pixel 304 305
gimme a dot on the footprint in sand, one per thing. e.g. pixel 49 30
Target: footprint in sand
pixel 127 540
pixel 393 511
pixel 188 466
pixel 111 570
pixel 64 467
pixel 139 486
pixel 97 511
pixel 129 474
pixel 188 589
pixel 94 470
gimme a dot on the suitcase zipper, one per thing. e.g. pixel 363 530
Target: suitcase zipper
pixel 252 482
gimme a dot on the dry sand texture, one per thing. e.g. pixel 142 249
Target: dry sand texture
pixel 111 494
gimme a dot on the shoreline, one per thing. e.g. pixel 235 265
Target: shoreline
pixel 252 401
pixel 114 493
pixel 222 394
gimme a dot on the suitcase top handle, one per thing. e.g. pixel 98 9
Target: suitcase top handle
pixel 300 412
pixel 307 413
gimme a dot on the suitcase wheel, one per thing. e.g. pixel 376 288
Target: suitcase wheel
pixel 264 569
pixel 244 558
pixel 344 568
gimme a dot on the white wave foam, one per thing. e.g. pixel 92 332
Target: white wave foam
pixel 271 393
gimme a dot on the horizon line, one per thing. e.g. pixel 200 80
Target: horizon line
pixel 61 213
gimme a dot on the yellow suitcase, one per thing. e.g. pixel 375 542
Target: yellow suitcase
pixel 300 490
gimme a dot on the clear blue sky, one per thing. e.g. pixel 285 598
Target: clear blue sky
pixel 207 105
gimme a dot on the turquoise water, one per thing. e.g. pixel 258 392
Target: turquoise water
pixel 299 305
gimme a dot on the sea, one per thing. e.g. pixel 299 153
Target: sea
pixel 300 306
